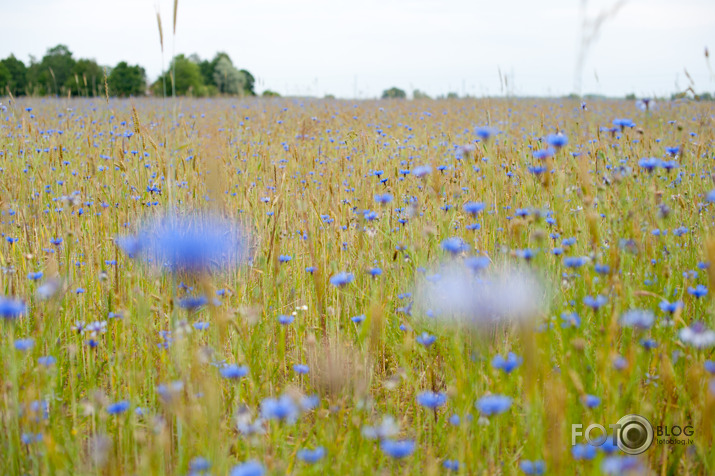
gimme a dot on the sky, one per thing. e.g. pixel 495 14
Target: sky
pixel 357 49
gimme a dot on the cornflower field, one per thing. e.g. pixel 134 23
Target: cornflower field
pixel 288 286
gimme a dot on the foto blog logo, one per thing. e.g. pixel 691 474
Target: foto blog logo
pixel 632 434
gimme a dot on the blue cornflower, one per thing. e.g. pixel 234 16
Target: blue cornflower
pixel 591 401
pixel 673 151
pixel 47 360
pixel 485 133
pixel 544 153
pixel 710 197
pixel 511 362
pixel 648 344
pixel 595 303
pixel 710 366
pixel 397 449
pixel 56 241
pixel 557 140
pixel 650 163
pixel 283 408
pixel 201 326
pixel 637 318
pixel 284 258
pixel 384 198
pixel 374 272
pixel 118 407
pixel 11 308
pixel 311 456
pixel 473 208
pixel 311 269
pixel 583 451
pixel 454 245
pixel 358 319
pixel 24 344
pixel 199 465
pixel 493 404
pixel 451 465
pixel 233 371
pixel 602 268
pixel 341 279
pixel 623 123
pixel 301 369
pixel 537 169
pixel 426 339
pixel 570 319
pixel 477 263
pixel 698 291
pixel 285 320
pixel 622 465
pixel 193 302
pixel 249 468
pixel 421 171
pixel 670 307
pixel 532 467
pixel 574 261
pixel 35 276
pixel 190 244
pixel 431 399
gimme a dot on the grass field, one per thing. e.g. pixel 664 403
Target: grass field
pixel 249 286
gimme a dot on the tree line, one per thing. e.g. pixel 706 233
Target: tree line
pixel 58 73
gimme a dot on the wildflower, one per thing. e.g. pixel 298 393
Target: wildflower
pixel 358 319
pixel 301 369
pixel 421 171
pixel 383 199
pixel 583 452
pixel 571 319
pixel 397 449
pixel 24 344
pixel 341 279
pixel 249 468
pixel 595 303
pixel 557 140
pixel 637 318
pixel 623 123
pixel 11 308
pixel 451 465
pixel 233 371
pixel 650 163
pixel 602 268
pixel 191 244
pixel 426 339
pixel 477 263
pixel 622 465
pixel 591 401
pixel 46 361
pixel 284 258
pixel 574 262
pixel 374 272
pixel 199 465
pixel 118 407
pixel 485 133
pixel 670 307
pixel 283 408
pixel 544 153
pixel 493 405
pixel 48 289
pixel 201 326
pixel 193 303
pixel 473 208
pixel 35 276
pixel 431 399
pixel 532 467
pixel 698 291
pixel 286 320
pixel 311 456
pixel 507 365
pixel 454 245
pixel 710 366
pixel 697 335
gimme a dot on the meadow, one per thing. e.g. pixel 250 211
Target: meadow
pixel 304 286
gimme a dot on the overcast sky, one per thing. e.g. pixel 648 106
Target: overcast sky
pixel 359 48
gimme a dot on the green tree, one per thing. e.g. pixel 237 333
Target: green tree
pixel 417 94
pixel 249 83
pixel 51 74
pixel 125 80
pixel 87 79
pixel 188 80
pixel 393 93
pixel 227 78
pixel 17 81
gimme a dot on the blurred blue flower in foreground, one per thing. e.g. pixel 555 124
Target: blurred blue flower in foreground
pixel 341 279
pixel 397 449
pixel 311 456
pixel 11 308
pixel 532 467
pixel 697 335
pixel 193 243
pixel 431 399
pixel 249 468
pixel 493 405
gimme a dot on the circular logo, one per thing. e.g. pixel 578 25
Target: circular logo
pixel 634 434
